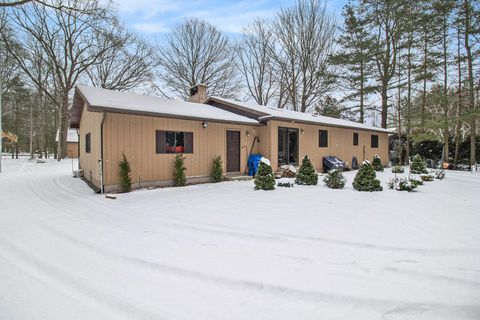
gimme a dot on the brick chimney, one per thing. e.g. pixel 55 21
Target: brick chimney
pixel 198 93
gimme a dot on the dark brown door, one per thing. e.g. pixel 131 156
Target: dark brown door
pixel 233 151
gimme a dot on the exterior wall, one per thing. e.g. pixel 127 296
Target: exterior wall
pixel 72 149
pixel 134 135
pixel 340 143
pixel 91 123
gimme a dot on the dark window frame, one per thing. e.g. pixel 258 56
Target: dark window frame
pixel 325 141
pixel 355 138
pixel 161 146
pixel 88 142
pixel 374 141
pixel 287 151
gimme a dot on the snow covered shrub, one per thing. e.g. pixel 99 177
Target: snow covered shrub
pixel 365 179
pixel 217 170
pixel 125 180
pixel 285 184
pixel 334 179
pixel 179 175
pixel 416 183
pixel 440 174
pixel 377 163
pixel 306 174
pixel 397 169
pixel 401 184
pixel 418 166
pixel 264 179
pixel 426 177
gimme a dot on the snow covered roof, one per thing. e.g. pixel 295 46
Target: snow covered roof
pixel 265 113
pixel 72 136
pixel 99 99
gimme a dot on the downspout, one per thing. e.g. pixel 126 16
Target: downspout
pixel 101 152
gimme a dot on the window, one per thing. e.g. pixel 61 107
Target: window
pixel 355 139
pixel 287 146
pixel 88 143
pixel 374 141
pixel 323 138
pixel 174 142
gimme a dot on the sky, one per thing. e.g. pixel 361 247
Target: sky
pixel 155 18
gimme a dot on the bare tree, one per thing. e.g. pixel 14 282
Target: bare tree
pixel 197 52
pixel 128 63
pixel 255 62
pixel 304 39
pixel 69 42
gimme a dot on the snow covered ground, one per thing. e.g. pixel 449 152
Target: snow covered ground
pixel 225 251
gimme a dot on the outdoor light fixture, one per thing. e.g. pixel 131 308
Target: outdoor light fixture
pixel 302 131
pixel 205 125
pixel 248 133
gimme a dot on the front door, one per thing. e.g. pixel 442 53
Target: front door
pixel 233 151
pixel 287 146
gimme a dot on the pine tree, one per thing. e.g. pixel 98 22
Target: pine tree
pixel 334 179
pixel 306 174
pixel 377 163
pixel 365 179
pixel 179 174
pixel 125 180
pixel 264 179
pixel 217 170
pixel 418 166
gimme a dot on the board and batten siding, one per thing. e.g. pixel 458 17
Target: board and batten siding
pixel 340 143
pixel 91 122
pixel 134 136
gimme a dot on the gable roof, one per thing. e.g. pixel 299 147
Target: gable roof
pixel 264 113
pixel 100 100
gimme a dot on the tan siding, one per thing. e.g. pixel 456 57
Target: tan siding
pixel 91 123
pixel 134 135
pixel 72 149
pixel 340 143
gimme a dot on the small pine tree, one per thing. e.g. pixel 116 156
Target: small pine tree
pixel 217 170
pixel 125 180
pixel 179 174
pixel 264 179
pixel 377 163
pixel 334 179
pixel 365 179
pixel 306 174
pixel 418 166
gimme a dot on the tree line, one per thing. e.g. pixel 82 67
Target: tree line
pixel 408 65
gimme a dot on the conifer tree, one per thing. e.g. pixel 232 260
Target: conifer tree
pixel 179 174
pixel 377 163
pixel 264 179
pixel 217 170
pixel 365 179
pixel 335 179
pixel 306 174
pixel 125 180
pixel 418 166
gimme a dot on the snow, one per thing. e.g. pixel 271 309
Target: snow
pixel 132 102
pixel 289 115
pixel 225 251
pixel 265 160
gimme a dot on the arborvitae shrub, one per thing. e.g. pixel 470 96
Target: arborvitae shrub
pixel 306 174
pixel 401 184
pixel 365 179
pixel 377 163
pixel 217 170
pixel 125 180
pixel 264 179
pixel 397 169
pixel 179 174
pixel 334 179
pixel 418 166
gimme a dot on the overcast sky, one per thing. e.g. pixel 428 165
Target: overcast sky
pixel 153 18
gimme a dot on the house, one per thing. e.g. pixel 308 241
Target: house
pixel 151 130
pixel 72 143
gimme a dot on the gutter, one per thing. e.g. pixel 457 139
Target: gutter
pixel 101 152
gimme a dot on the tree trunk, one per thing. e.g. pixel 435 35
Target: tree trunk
pixel 362 93
pixel 458 124
pixel 445 92
pixel 63 130
pixel 384 94
pixel 468 50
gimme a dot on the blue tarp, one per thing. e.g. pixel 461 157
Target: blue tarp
pixel 253 162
